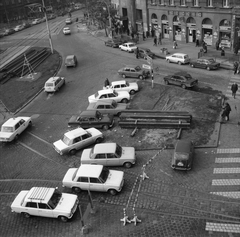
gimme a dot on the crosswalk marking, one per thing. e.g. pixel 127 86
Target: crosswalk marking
pixel 228 150
pixel 227 160
pixel 231 228
pixel 235 195
pixel 225 182
pixel 226 170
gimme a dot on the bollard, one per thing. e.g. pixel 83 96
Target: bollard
pixel 125 219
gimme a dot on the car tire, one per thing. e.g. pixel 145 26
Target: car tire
pixel 99 140
pixel 16 137
pixel 123 75
pixel 72 152
pixel 166 82
pixel 132 92
pixel 76 189
pixel 168 60
pixel 141 77
pixel 192 65
pixel 208 68
pixel 63 219
pixel 113 192
pixel 26 215
pixel 179 63
pixel 183 86
pixel 124 101
pixel 30 124
pixel 127 165
pixel 105 127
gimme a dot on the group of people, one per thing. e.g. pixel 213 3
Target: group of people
pixel 157 40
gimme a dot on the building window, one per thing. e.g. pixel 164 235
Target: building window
pixel 225 3
pixel 195 3
pixel 139 14
pixel 183 2
pixel 162 2
pixel 153 2
pixel 172 3
pixel 209 3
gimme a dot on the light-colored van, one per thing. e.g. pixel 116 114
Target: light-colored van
pixel 53 84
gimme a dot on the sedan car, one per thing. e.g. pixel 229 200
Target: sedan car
pixel 133 71
pixel 144 53
pixel 179 58
pixel 19 27
pixel 131 88
pixel 77 139
pixel 66 31
pixel 109 154
pixel 103 95
pixel 36 21
pixel 13 127
pixel 68 21
pixel 128 47
pixel 54 84
pixel 205 62
pixel 183 155
pixel 182 79
pixel 94 178
pixel 112 43
pixel 9 32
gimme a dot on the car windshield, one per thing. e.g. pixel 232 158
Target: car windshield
pixel 138 68
pixel 49 84
pixel 119 150
pixel 53 202
pixel 211 60
pixel 104 175
pixel 7 129
pixel 66 140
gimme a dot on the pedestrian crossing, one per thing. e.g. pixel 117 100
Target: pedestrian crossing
pixel 226 183
pixel 234 78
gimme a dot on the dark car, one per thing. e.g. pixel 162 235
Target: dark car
pixel 92 119
pixel 113 43
pixel 9 31
pixel 134 71
pixel 144 53
pixel 183 155
pixel 205 62
pixel 182 79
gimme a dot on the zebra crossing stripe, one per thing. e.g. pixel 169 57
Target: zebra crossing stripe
pixel 220 182
pixel 228 150
pixel 227 160
pixel 226 170
pixel 235 195
pixel 221 227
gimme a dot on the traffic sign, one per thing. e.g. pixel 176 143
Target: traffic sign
pixel 146 66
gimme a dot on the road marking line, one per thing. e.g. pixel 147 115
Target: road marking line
pixel 228 160
pixel 226 170
pixel 220 182
pixel 221 227
pixel 228 150
pixel 39 138
pixel 235 195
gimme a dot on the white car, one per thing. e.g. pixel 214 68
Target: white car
pixel 77 139
pixel 131 88
pixel 128 47
pixel 36 21
pixel 68 21
pixel 66 31
pixel 18 28
pixel 45 202
pixel 103 95
pixel 53 84
pixel 13 127
pixel 109 154
pixel 179 58
pixel 94 178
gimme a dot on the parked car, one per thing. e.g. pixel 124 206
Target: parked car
pixel 45 202
pixel 54 84
pixel 91 118
pixel 119 97
pixel 183 155
pixel 134 71
pixel 112 43
pixel 51 16
pixel 68 21
pixel 182 79
pixel 94 178
pixel 107 107
pixel 36 21
pixel 109 154
pixel 19 28
pixel 26 25
pixel 71 61
pixel 9 32
pixel 77 139
pixel 131 88
pixel 226 43
pixel 205 62
pixel 128 47
pixel 13 127
pixel 66 31
pixel 179 58
pixel 144 53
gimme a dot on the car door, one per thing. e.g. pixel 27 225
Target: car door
pixel 31 208
pixel 117 87
pixel 99 159
pixel 127 72
pixel 94 122
pixel 82 183
pixel 173 58
pixel 96 185
pixel 124 87
pixel 200 63
pixel 44 210
pixel 133 72
pixel 177 80
pixel 21 126
pixel 112 159
pixel 87 140
pixel 172 80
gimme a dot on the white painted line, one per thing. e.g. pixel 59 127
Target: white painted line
pixel 220 182
pixel 235 195
pixel 226 170
pixel 221 227
pixel 228 150
pixel 228 160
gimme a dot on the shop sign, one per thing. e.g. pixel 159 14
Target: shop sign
pixel 164 22
pixel 191 25
pixel 155 21
pixel 176 23
pixel 205 26
pixel 227 28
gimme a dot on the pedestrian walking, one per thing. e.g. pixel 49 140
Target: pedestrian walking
pixel 144 37
pixel 197 42
pixel 175 44
pixel 160 39
pixel 106 83
pixel 148 34
pixel 226 112
pixel 234 89
pixel 217 45
pixel 222 51
pixel 235 67
pixel 128 32
pixel 155 41
pixel 137 53
pixel 78 28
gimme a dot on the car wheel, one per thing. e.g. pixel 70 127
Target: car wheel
pixel 127 164
pixel 124 101
pixel 140 77
pixel 113 192
pixel 76 189
pixel 99 140
pixel 129 51
pixel 63 219
pixel 166 82
pixel 26 215
pixel 192 65
pixel 16 137
pixel 105 127
pixel 132 92
pixel 168 60
pixel 123 75
pixel 30 124
pixel 208 68
pixel 183 86
pixel 179 63
pixel 72 152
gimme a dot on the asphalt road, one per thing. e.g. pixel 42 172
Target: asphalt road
pixel 182 196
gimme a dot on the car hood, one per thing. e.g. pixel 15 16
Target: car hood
pixel 66 203
pixel 85 157
pixel 73 119
pixel 128 153
pixel 94 132
pixel 60 145
pixel 5 134
pixel 68 177
pixel 115 178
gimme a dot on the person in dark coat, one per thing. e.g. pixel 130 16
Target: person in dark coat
pixel 235 67
pixel 137 53
pixel 106 83
pixel 155 41
pixel 144 37
pixel 222 51
pixel 128 32
pixel 226 111
pixel 234 89
pixel 217 45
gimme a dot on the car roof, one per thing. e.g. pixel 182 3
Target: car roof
pixel 75 133
pixel 181 54
pixel 88 113
pixel 39 194
pixel 90 170
pixel 12 121
pixel 101 92
pixel 70 56
pixel 66 28
pixel 104 148
pixel 181 74
pixel 118 82
pixel 183 146
pixel 133 66
pixel 52 79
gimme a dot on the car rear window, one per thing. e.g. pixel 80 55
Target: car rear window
pixel 131 45
pixel 49 84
